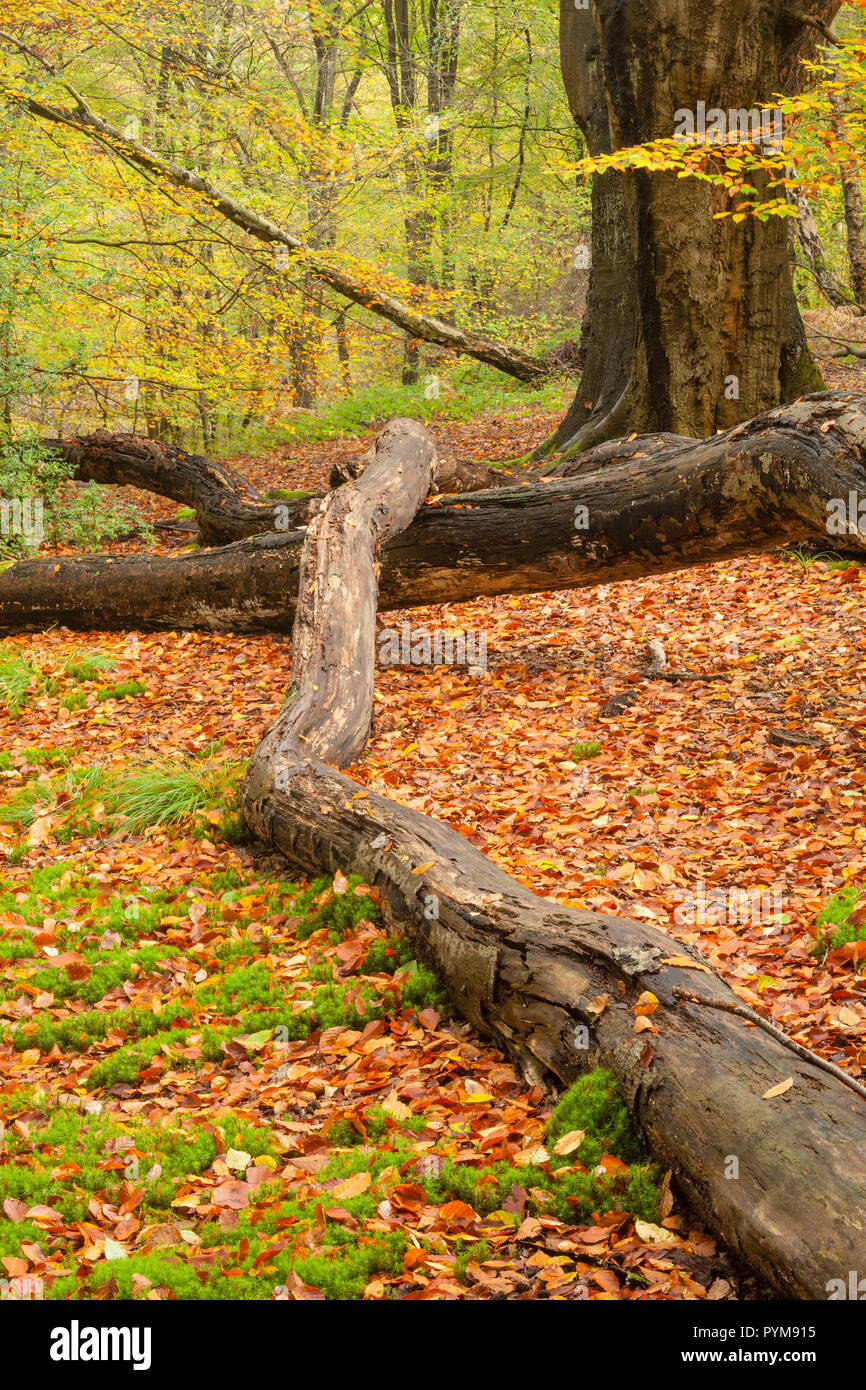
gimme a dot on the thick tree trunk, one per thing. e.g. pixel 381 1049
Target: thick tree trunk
pixel 671 504
pixel 781 1179
pixel 691 323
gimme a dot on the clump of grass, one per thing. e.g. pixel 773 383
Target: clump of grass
pixel 74 792
pixel 173 790
pixel 22 808
pixel 86 666
pixel 19 675
pixel 804 557
pixel 585 750
pixel 22 676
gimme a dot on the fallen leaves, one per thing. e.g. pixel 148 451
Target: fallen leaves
pixel 569 1142
pixel 779 1090
pixel 231 1194
pixel 685 796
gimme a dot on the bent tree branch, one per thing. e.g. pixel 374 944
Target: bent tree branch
pixel 227 507
pixel 557 988
pixel 429 329
pixel 673 504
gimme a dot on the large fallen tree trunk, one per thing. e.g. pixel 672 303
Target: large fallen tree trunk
pixel 227 507
pixel 557 988
pixel 674 504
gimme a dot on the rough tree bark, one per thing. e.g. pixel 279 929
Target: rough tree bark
pixel 679 303
pixel 227 507
pixel 651 506
pixel 556 987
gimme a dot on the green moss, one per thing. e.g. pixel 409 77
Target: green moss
pixel 386 956
pixel 225 880
pixel 580 751
pixel 339 911
pixel 86 666
pixel 39 757
pixel 478 1252
pixel 76 699
pixel 835 915
pixel 112 969
pixel 592 1104
pixel 124 690
pixel 346 1277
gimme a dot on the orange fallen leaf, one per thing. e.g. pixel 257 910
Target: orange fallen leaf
pixel 352 1186
pixel 685 963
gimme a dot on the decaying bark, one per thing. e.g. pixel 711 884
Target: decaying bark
pixel 450 474
pixel 227 507
pixel 781 1179
pixel 672 504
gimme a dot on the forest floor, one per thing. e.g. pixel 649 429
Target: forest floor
pixel 219 1084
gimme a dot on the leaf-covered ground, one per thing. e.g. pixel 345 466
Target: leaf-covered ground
pixel 219 1084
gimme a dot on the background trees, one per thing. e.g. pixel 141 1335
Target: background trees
pixel 426 148
pixel 421 147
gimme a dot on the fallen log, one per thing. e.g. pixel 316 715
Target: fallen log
pixel 764 484
pixel 227 507
pixel 768 1147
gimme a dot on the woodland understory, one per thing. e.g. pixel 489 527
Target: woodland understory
pixel 432 716
pixel 461 1195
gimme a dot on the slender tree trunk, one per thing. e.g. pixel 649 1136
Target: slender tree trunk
pixel 855 225
pixel 852 200
pixel 813 249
